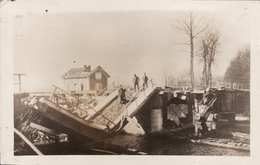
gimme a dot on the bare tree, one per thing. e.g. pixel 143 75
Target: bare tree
pixel 208 49
pixel 213 42
pixel 193 24
pixel 203 58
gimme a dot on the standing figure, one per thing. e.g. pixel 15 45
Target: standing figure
pixel 145 80
pixel 136 82
pixel 121 95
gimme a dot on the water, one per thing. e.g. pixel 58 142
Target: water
pixel 161 146
pixel 146 144
pixel 152 146
pixel 167 146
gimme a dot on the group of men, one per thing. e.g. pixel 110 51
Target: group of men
pixel 136 80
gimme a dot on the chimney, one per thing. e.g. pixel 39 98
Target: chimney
pixel 87 68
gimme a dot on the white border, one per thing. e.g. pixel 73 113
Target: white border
pixel 9 8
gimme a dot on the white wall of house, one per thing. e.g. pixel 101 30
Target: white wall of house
pixel 76 84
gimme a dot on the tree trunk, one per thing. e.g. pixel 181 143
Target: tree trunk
pixel 191 61
pixel 209 76
pixel 205 77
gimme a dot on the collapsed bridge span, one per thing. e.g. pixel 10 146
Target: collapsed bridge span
pixel 97 117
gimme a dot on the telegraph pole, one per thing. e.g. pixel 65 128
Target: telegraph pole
pixel 19 75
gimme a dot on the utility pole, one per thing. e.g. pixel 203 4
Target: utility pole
pixel 19 75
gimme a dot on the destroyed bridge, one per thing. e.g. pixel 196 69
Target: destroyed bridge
pixel 147 111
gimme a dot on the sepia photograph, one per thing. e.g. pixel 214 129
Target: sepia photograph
pixel 156 78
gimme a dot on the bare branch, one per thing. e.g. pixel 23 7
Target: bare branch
pixel 179 43
pixel 184 23
pixel 204 25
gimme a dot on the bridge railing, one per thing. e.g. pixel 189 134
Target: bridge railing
pixel 237 86
pixel 106 91
pixel 61 96
pixel 137 94
pixel 40 94
pixel 131 102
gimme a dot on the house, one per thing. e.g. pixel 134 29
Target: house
pixel 84 80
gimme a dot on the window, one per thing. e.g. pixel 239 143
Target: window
pixel 75 87
pixel 68 87
pixel 98 75
pixel 81 86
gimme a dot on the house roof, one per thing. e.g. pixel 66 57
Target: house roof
pixel 81 73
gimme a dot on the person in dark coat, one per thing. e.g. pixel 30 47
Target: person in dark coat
pixel 145 80
pixel 121 94
pixel 136 82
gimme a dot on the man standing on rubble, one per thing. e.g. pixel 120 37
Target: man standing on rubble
pixel 145 80
pixel 136 82
pixel 121 95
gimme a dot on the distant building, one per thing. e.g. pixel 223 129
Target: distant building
pixel 81 80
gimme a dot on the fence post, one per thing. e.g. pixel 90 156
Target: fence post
pixel 114 85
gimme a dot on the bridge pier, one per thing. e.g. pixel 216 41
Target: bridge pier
pixel 169 107
pixel 163 106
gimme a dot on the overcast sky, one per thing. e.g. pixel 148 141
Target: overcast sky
pixel 124 40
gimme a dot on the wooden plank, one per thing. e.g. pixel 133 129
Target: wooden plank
pixel 28 142
pixel 101 105
pixel 43 129
pixel 234 134
pixel 223 143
